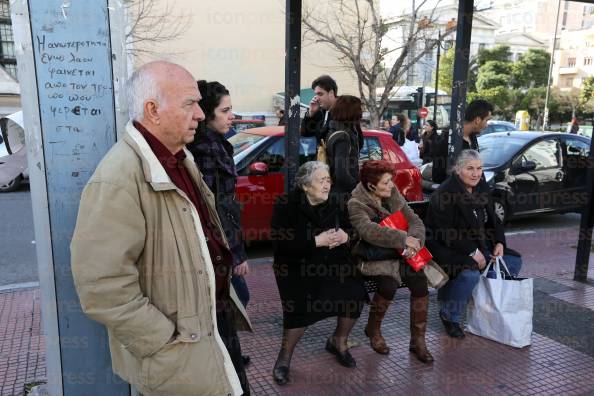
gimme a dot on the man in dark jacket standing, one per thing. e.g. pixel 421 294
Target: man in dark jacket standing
pixel 477 113
pixel 318 117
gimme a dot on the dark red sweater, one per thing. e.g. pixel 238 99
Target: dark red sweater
pixel 174 166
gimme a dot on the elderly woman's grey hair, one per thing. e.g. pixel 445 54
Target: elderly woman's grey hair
pixel 464 158
pixel 305 173
pixel 140 87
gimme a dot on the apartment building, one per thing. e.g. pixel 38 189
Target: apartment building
pixel 574 58
pixel 537 17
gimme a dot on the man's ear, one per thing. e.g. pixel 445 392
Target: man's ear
pixel 151 111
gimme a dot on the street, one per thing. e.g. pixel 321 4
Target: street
pixel 18 262
pixel 18 259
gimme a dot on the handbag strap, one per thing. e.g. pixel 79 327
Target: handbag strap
pixel 496 267
pixel 502 262
pixel 487 268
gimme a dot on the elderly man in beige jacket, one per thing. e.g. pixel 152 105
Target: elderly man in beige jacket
pixel 149 258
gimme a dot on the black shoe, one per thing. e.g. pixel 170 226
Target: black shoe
pixel 344 358
pixel 281 375
pixel 246 360
pixel 452 328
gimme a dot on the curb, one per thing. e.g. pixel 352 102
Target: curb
pixel 18 286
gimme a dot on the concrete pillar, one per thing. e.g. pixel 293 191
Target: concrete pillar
pixel 70 64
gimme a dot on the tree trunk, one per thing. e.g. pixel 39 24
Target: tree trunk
pixel 374 117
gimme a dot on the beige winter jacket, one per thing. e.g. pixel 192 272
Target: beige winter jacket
pixel 141 267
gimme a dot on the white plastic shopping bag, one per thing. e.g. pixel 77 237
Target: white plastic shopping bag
pixel 501 308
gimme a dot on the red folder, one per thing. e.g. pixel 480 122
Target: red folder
pixel 397 221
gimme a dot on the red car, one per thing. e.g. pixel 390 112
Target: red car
pixel 259 155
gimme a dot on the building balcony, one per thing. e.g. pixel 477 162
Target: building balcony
pixel 568 70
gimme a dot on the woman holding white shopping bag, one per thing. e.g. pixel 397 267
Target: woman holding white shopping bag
pixel 464 234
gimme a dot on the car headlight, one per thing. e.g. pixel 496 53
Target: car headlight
pixel 489 176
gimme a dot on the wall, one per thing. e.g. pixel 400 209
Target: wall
pixel 242 45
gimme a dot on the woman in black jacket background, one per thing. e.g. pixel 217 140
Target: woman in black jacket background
pixel 429 139
pixel 343 144
pixel 214 156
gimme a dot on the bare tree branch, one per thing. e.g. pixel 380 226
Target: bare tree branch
pixel 153 22
pixel 360 37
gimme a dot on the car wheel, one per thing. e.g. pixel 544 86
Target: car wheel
pixel 11 185
pixel 500 210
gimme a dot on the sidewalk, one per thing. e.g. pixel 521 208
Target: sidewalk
pixel 22 354
pixel 559 362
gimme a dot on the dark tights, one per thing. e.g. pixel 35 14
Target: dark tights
pixel 415 281
pixel 292 336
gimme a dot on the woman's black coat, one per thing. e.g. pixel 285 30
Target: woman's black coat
pixel 453 225
pixel 314 282
pixel 214 156
pixel 343 157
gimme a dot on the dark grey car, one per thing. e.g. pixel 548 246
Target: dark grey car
pixel 532 172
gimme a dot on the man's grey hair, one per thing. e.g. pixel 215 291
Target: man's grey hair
pixel 304 175
pixel 140 87
pixel 464 158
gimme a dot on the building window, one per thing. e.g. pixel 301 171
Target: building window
pixel 567 82
pixel 587 61
pixel 570 62
pixel 7 56
pixel 4 9
pixel 482 46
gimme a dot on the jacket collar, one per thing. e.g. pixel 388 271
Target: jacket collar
pixel 395 202
pixel 154 173
pixel 461 197
pixel 315 214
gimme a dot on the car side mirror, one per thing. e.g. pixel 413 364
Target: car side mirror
pixel 525 166
pixel 258 169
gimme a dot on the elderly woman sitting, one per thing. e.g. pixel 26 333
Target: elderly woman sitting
pixel 375 198
pixel 463 234
pixel 314 269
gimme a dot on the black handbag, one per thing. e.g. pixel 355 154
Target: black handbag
pixel 369 252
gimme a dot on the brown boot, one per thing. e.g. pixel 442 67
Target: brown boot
pixel 418 327
pixel 379 306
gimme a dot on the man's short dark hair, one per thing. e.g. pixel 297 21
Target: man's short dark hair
pixel 477 108
pixel 325 82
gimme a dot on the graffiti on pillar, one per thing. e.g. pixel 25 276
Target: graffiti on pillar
pixel 75 86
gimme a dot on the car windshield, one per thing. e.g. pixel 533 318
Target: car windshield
pixel 497 149
pixel 243 141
